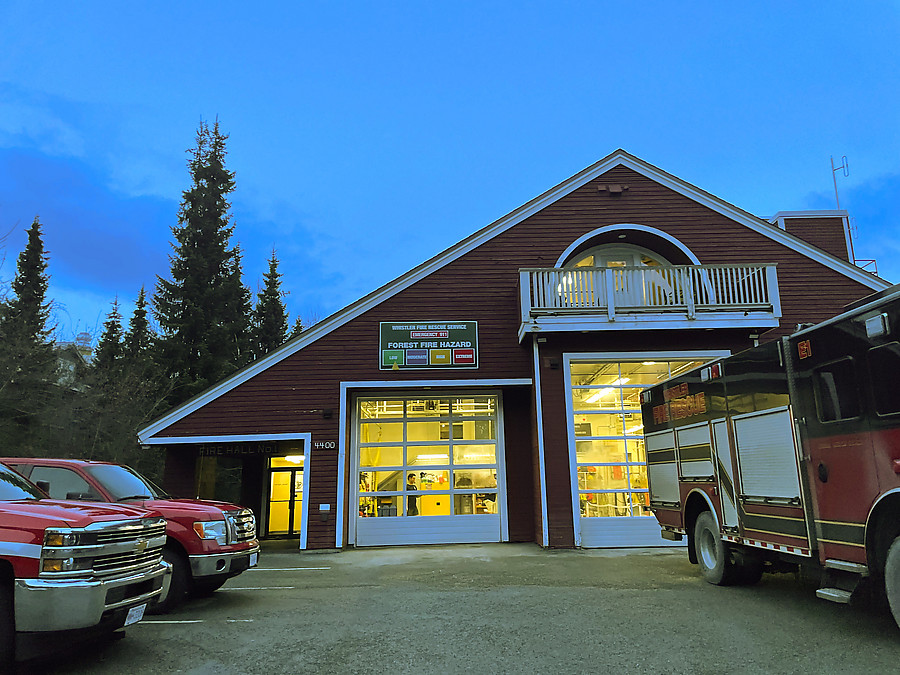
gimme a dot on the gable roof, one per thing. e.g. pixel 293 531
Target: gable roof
pixel 376 297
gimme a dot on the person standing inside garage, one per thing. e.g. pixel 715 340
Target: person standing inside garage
pixel 412 508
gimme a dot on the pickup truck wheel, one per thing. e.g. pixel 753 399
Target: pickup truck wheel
pixel 204 587
pixel 7 630
pixel 713 555
pixel 892 579
pixel 178 587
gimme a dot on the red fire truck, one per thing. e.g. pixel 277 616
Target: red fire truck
pixel 788 454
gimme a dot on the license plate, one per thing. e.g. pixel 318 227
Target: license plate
pixel 135 614
pixel 254 558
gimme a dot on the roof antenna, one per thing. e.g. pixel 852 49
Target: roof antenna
pixel 844 166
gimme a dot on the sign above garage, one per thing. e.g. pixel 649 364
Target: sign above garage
pixel 413 345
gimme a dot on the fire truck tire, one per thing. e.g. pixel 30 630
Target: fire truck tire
pixel 892 579
pixel 7 629
pixel 713 556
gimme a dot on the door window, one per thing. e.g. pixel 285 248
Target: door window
pixel 64 483
pixel 607 428
pixel 836 391
pixel 884 365
pixel 427 456
pixel 285 495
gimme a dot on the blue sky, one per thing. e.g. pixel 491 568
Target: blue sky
pixel 367 137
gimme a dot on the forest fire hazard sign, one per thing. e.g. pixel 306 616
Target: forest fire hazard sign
pixel 409 345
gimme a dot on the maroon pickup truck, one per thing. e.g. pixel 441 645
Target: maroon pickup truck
pixel 207 542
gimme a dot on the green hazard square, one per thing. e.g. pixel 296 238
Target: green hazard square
pixel 391 357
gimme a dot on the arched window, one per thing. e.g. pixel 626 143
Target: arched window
pixel 617 255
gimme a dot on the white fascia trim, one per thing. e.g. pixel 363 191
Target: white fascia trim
pixel 538 411
pixel 234 438
pixel 458 384
pixel 626 226
pixel 304 508
pixel 568 358
pixel 819 213
pixel 340 513
pixel 617 158
pixel 387 384
pixel 657 354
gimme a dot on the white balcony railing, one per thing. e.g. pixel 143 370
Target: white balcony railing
pixel 684 291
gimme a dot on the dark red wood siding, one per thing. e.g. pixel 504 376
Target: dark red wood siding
pixel 829 234
pixel 292 395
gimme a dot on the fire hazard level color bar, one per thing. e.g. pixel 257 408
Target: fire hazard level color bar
pixel 428 357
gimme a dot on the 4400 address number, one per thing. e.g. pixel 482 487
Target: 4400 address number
pixel 325 445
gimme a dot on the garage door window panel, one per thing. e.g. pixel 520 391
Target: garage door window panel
pixel 447 444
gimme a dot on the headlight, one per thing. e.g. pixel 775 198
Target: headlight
pixel 212 529
pixel 52 538
pixel 66 564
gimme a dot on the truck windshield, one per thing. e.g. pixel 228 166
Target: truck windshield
pixel 13 487
pixel 123 483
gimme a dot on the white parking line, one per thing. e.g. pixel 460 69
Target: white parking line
pixel 285 569
pixel 259 588
pixel 195 621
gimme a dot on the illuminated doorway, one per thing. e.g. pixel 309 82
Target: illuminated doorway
pixel 611 501
pixel 285 504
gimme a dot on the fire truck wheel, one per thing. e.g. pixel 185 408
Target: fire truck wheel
pixel 7 629
pixel 712 553
pixel 892 579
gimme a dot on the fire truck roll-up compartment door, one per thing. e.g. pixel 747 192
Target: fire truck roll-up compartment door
pixel 662 468
pixel 695 452
pixel 725 471
pixel 767 455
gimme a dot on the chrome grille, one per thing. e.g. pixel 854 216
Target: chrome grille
pixel 131 561
pixel 144 531
pixel 241 525
pixel 103 549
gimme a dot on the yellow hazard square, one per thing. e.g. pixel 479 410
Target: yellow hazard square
pixel 439 357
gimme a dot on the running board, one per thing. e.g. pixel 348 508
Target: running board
pixel 834 595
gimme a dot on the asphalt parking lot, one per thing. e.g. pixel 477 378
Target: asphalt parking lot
pixel 498 608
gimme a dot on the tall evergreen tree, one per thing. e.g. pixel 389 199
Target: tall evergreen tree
pixel 269 323
pixel 28 364
pixel 110 348
pixel 139 340
pixel 204 309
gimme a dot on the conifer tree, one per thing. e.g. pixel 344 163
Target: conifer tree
pixel 296 329
pixel 28 364
pixel 110 348
pixel 139 340
pixel 269 323
pixel 203 310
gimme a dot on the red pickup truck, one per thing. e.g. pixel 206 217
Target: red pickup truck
pixel 69 569
pixel 207 542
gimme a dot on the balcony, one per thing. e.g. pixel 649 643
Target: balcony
pixel 648 298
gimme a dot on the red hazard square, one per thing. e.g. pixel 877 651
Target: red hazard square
pixel 463 357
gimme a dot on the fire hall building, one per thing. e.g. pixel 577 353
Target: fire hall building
pixel 491 394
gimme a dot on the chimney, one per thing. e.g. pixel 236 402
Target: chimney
pixel 826 229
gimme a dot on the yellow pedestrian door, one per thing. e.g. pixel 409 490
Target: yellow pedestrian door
pixel 285 497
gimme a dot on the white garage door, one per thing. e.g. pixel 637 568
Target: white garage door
pixel 428 470
pixel 607 452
